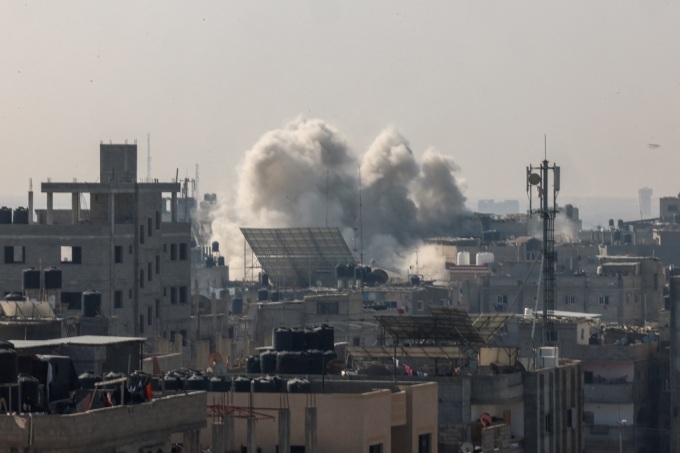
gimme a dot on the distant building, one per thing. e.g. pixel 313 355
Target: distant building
pixel 498 207
pixel 645 197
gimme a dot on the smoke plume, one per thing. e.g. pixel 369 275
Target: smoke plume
pixel 305 175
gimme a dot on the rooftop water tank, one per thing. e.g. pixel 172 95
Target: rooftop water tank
pixel 463 258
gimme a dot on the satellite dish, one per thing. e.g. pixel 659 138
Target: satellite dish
pixel 467 447
pixel 534 179
pixel 220 369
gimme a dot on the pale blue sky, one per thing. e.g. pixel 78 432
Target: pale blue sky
pixel 479 81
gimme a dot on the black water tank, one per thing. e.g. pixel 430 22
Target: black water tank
pixel 31 278
pixel 340 271
pixel 9 366
pixel 220 261
pixel 52 278
pixel 326 338
pixel 282 339
pixel 274 296
pixel 92 303
pixel 210 262
pixel 262 295
pixel 20 216
pixel 241 384
pixel 316 361
pixel 5 216
pixel 220 384
pixel 298 339
pixel 172 382
pixel 262 385
pixel 268 362
pixel 15 296
pixel 253 365
pixel 88 379
pixel 196 382
pixel 312 339
pixel 299 386
pixel 215 246
pixel 264 279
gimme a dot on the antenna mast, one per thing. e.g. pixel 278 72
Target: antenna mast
pixel 539 177
pixel 148 157
pixel 361 225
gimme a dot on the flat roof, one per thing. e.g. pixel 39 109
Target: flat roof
pixel 82 340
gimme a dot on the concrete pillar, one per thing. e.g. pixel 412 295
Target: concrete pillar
pixel 218 438
pixel 75 208
pixel 250 434
pixel 192 442
pixel 30 206
pixel 50 207
pixel 173 207
pixel 284 430
pixel 228 433
pixel 310 429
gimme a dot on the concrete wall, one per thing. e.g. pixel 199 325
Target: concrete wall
pixel 123 429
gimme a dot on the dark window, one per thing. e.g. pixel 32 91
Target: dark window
pixel 173 295
pixel 72 299
pixel 183 295
pixel 183 251
pixel 148 271
pixel 14 254
pixel 172 336
pixel 184 337
pixel 118 254
pixel 327 308
pixel 173 252
pixel 548 423
pixel 356 341
pixel 158 308
pixel 158 264
pixel 589 417
pixel 118 299
pixel 148 227
pixel 141 278
pixel 425 443
pixel 149 314
pixel 604 300
pixel 130 249
pixel 141 234
pixel 377 448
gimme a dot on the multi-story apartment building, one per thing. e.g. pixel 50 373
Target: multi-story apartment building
pixel 112 240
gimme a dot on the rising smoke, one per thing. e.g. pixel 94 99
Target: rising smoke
pixel 304 175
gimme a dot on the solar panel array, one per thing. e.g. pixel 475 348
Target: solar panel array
pixel 299 257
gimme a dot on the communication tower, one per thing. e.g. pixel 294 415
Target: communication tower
pixel 538 185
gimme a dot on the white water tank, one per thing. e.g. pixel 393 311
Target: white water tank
pixel 484 258
pixel 463 258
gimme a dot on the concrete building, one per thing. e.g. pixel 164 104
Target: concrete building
pixel 111 240
pixel 622 382
pixel 341 416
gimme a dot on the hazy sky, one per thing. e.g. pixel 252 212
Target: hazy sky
pixel 479 81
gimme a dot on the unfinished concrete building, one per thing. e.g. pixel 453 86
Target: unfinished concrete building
pixel 112 240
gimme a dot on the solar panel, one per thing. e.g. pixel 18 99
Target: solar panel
pixel 299 257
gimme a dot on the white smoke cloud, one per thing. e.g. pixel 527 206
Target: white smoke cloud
pixel 305 175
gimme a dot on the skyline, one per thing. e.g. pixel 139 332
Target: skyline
pixel 479 83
